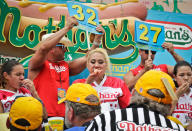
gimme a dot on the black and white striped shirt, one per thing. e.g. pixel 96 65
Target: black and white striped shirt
pixel 132 119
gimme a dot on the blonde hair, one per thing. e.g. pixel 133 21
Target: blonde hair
pixel 104 53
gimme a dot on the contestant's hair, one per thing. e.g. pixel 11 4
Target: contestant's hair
pixel 151 104
pixel 104 53
pixel 179 64
pixel 84 111
pixel 7 67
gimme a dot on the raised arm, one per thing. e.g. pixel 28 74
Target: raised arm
pixel 169 47
pixel 78 65
pixel 38 59
pixel 131 80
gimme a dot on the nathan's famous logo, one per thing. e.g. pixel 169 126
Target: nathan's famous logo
pixel 4 59
pixel 131 126
pixel 184 107
pixel 179 34
pixel 32 33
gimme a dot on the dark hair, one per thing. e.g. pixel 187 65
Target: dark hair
pixel 7 67
pixel 179 64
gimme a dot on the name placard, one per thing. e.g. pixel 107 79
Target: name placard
pixel 151 35
pixel 87 16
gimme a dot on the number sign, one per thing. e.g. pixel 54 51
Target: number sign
pixel 150 34
pixel 87 16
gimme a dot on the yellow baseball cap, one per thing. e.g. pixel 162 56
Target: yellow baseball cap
pixel 64 40
pixel 152 80
pixel 26 113
pixel 78 93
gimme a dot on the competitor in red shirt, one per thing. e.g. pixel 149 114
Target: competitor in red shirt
pixel 12 84
pixel 146 64
pixel 50 72
pixel 113 92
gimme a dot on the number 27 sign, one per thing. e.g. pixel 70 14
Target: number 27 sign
pixel 150 34
pixel 86 16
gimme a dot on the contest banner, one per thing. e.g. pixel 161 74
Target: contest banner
pixel 21 31
pixel 20 34
pixel 178 31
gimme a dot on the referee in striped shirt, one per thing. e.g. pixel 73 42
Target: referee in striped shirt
pixel 148 111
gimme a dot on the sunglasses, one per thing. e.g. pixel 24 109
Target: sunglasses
pixel 61 46
pixel 147 52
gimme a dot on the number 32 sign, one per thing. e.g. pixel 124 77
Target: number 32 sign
pixel 87 16
pixel 150 34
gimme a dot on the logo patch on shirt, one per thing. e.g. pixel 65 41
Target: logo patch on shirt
pixel 57 68
pixel 131 126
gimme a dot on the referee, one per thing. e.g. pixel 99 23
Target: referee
pixel 148 111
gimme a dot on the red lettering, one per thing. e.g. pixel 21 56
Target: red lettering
pixel 182 106
pixel 101 95
pixel 108 95
pixel 177 106
pixel 150 129
pixel 130 127
pixel 122 125
pixel 145 127
pixel 140 128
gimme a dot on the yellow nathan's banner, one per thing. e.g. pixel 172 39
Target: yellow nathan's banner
pixel 56 123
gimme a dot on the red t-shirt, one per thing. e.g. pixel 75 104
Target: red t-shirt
pixel 51 77
pixel 111 90
pixel 162 67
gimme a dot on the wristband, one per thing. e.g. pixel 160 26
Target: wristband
pixel 97 44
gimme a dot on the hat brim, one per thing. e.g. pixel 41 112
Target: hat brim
pixel 62 100
pixel 65 41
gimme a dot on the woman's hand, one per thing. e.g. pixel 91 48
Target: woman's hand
pixel 184 88
pixel 27 83
pixel 93 76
